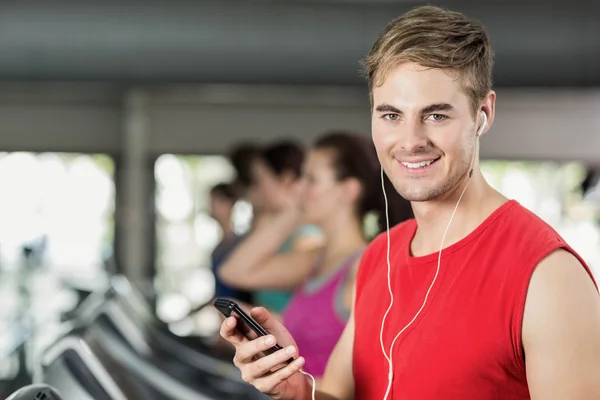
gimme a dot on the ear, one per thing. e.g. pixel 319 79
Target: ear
pixel 352 189
pixel 288 178
pixel 488 106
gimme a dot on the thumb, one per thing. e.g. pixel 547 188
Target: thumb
pixel 273 326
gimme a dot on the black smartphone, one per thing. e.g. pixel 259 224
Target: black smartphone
pixel 245 323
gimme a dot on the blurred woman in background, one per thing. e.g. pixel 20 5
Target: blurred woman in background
pixel 240 156
pixel 274 183
pixel 342 186
pixel 223 197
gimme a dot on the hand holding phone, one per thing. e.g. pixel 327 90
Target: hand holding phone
pixel 246 325
pixel 250 334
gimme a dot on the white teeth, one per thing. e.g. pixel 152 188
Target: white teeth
pixel 417 165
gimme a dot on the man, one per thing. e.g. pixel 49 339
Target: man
pixel 506 311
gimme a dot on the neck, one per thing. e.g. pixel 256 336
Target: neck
pixel 227 228
pixel 477 203
pixel 343 234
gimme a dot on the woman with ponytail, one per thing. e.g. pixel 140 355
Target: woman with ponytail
pixel 342 195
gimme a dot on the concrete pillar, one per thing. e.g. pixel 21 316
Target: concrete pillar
pixel 135 224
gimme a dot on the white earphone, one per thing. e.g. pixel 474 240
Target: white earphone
pixel 389 356
pixel 483 124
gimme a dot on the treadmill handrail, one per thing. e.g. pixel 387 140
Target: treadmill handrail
pixel 154 376
pixel 79 346
pixel 204 362
pixel 130 330
pixel 128 301
pixel 126 327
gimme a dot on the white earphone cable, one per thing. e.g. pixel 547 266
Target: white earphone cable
pixel 314 384
pixel 389 357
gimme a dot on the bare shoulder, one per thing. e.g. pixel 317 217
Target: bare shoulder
pixel 561 330
pixel 562 266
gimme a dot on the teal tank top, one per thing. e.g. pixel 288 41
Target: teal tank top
pixel 273 300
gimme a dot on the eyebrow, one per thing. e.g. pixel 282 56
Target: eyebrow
pixel 387 108
pixel 427 110
pixel 437 107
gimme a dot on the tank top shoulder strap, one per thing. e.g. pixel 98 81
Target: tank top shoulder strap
pixel 346 265
pixel 316 265
pixel 344 274
pixel 339 273
pixel 350 260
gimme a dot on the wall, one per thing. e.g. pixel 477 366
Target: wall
pixel 530 124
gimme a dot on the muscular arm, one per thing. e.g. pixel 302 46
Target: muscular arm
pixel 561 331
pixel 255 263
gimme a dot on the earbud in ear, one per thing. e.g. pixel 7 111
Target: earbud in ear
pixel 483 124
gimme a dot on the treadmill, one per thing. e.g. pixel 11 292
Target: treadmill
pixel 124 318
pixel 35 392
pixel 141 310
pixel 84 365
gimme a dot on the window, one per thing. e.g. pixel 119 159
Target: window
pixel 60 207
pixel 56 224
pixel 186 234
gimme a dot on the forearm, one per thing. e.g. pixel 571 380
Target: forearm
pixel 319 395
pixel 262 243
pixel 322 396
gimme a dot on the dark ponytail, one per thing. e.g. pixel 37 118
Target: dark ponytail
pixel 284 156
pixel 241 157
pixel 354 156
pixel 228 191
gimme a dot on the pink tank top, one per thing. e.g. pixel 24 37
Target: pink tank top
pixel 316 315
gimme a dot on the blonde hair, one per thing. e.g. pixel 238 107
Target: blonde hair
pixel 435 38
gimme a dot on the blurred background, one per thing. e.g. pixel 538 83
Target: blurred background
pixel 116 118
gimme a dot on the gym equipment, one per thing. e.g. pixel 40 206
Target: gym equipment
pixel 85 365
pixel 128 329
pixel 35 392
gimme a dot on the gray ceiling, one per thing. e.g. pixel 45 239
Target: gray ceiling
pixel 291 42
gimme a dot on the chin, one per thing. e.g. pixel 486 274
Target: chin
pixel 414 193
pixel 416 198
pixel 309 220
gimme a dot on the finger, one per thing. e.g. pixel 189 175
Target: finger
pixel 247 351
pixel 275 361
pixel 267 364
pixel 268 382
pixel 229 333
pixel 272 325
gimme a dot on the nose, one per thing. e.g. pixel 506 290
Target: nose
pixel 412 138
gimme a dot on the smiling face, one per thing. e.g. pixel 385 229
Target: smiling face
pixel 424 130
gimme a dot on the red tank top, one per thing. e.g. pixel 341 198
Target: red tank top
pixel 466 343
